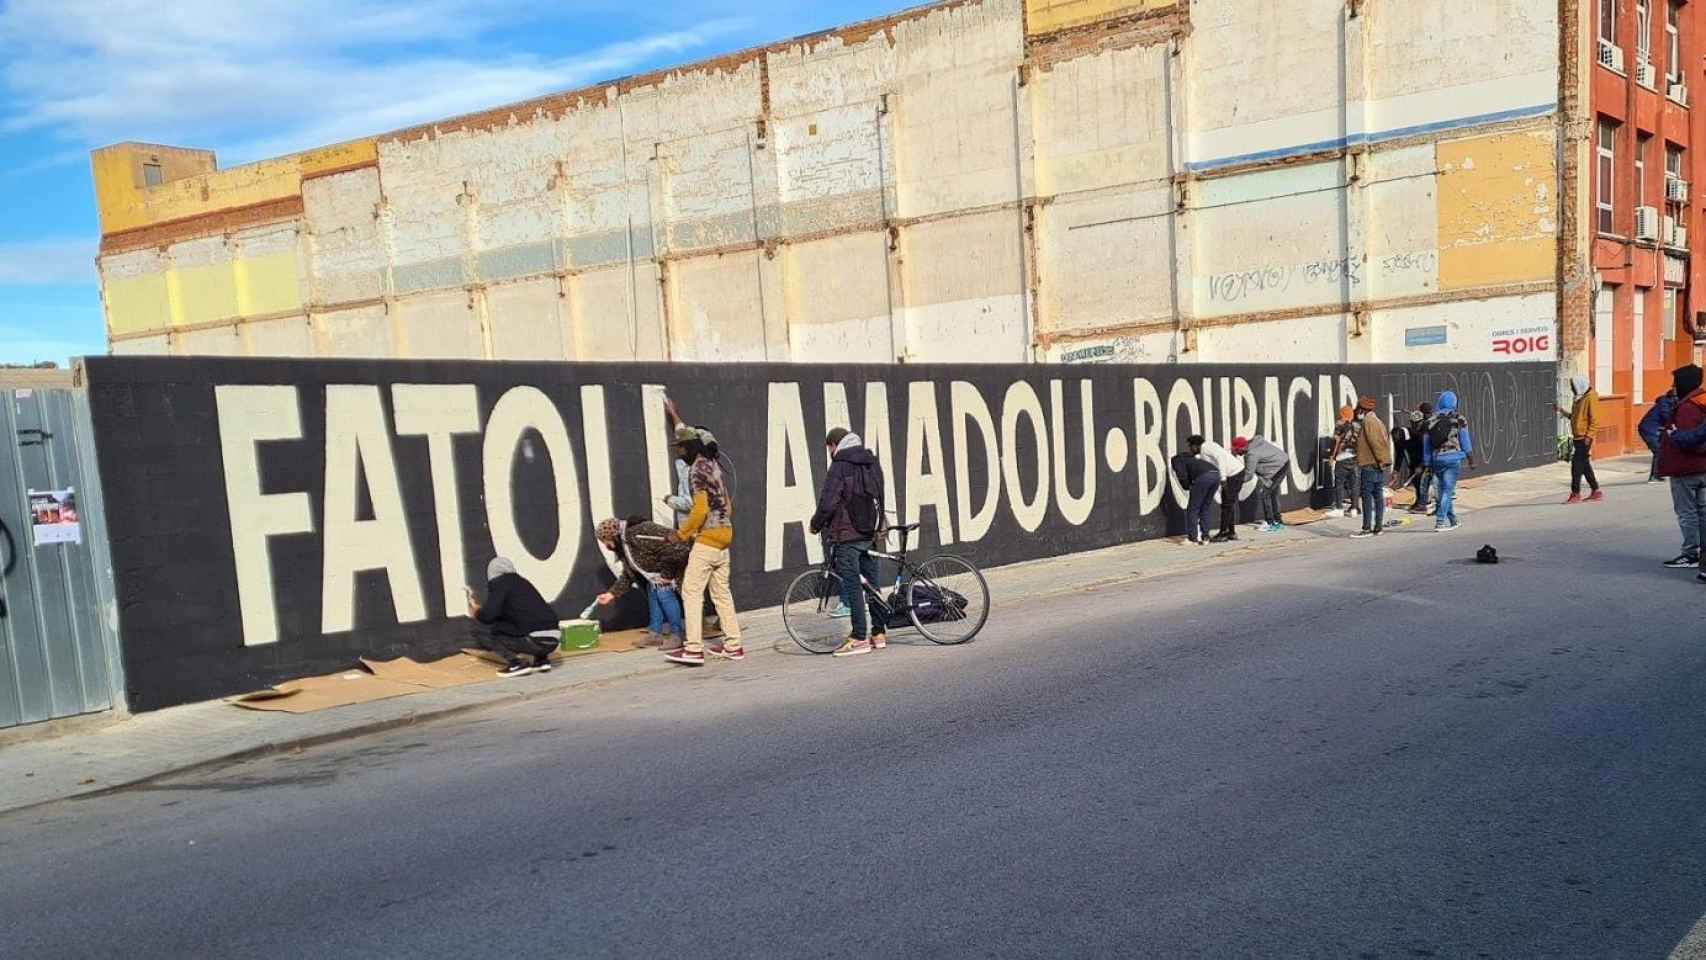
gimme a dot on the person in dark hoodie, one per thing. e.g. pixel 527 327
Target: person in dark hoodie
pixel 1200 476
pixel 1446 446
pixel 850 512
pixel 523 627
pixel 1680 430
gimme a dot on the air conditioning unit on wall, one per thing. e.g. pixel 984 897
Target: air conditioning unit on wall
pixel 1679 93
pixel 1679 238
pixel 1676 190
pixel 1646 223
pixel 1611 55
pixel 1646 76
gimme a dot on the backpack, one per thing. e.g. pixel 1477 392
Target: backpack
pixel 865 505
pixel 1442 434
pixel 933 604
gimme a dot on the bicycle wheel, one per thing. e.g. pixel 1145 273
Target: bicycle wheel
pixel 947 600
pixel 809 611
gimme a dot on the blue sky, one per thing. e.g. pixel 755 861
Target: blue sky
pixel 258 78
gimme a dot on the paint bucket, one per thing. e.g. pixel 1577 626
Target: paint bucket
pixel 579 635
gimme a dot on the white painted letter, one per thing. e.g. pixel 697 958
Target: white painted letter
pixel 660 455
pixel 968 406
pixel 924 439
pixel 1077 509
pixel 1146 436
pixel 788 451
pixel 439 412
pixel 1022 400
pixel 595 433
pixel 250 415
pixel 876 433
pixel 357 445
pixel 517 411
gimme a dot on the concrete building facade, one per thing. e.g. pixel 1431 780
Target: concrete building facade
pixel 973 180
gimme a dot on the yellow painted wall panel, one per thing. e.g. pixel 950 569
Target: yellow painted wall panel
pixel 1497 209
pixel 206 294
pixel 269 284
pixel 1045 16
pixel 136 304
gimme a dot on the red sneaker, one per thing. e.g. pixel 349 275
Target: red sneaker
pixel 682 655
pixel 1598 496
pixel 737 654
pixel 1574 498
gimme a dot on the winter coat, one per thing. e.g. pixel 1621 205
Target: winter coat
pixel 1266 460
pixel 1584 416
pixel 1462 443
pixel 650 552
pixel 1680 452
pixel 1652 427
pixel 1374 443
pixel 853 473
pixel 514 607
pixel 1189 468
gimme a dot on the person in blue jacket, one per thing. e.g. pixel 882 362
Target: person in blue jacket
pixel 1446 446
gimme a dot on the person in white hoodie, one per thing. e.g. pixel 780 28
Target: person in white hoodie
pixel 1231 467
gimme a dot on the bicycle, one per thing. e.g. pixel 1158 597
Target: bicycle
pixel 944 598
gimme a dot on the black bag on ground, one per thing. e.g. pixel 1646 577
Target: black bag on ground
pixel 934 605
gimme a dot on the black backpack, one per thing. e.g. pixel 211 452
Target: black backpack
pixel 934 605
pixel 864 504
pixel 1442 433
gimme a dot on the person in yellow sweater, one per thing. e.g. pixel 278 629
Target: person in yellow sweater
pixel 1584 423
pixel 710 526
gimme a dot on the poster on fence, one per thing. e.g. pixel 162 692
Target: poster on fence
pixel 53 516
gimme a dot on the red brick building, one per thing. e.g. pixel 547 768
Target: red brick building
pixel 1645 211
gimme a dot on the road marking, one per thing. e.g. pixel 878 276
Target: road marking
pixel 1693 946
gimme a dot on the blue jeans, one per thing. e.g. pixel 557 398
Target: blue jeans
pixel 1446 474
pixel 665 605
pixel 1688 497
pixel 1202 499
pixel 1373 497
pixel 853 560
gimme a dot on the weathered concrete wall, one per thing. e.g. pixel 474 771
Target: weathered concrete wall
pixel 976 181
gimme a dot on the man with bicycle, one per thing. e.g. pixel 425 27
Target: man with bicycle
pixel 850 515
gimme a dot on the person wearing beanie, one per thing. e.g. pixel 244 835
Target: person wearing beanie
pixel 1682 460
pixel 519 624
pixel 650 553
pixel 1423 420
pixel 710 528
pixel 851 516
pixel 1342 455
pixel 1446 447
pixel 1374 462
pixel 1584 423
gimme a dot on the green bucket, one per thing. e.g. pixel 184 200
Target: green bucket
pixel 579 635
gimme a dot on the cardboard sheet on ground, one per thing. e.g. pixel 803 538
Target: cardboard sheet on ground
pixel 622 641
pixel 454 671
pixel 312 694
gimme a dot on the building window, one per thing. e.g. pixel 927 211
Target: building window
pixel 1677 212
pixel 1603 324
pixel 1638 366
pixel 1604 196
pixel 1643 32
pixel 1608 22
pixel 151 175
pixel 1673 38
pixel 1670 314
pixel 1641 141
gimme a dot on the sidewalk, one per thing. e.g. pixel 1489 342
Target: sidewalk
pixel 152 745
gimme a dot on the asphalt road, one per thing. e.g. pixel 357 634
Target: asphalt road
pixel 1353 749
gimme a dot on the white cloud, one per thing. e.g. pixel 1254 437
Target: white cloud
pixel 44 263
pixel 264 77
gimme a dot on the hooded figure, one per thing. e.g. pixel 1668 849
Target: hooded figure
pixel 1445 447
pixel 850 514
pixel 522 626
pixel 1682 459
pixel 1584 425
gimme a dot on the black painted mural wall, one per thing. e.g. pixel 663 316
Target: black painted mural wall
pixel 278 518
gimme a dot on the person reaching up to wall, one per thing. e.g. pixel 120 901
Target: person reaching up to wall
pixel 1584 423
pixel 681 502
pixel 1446 447
pixel 710 527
